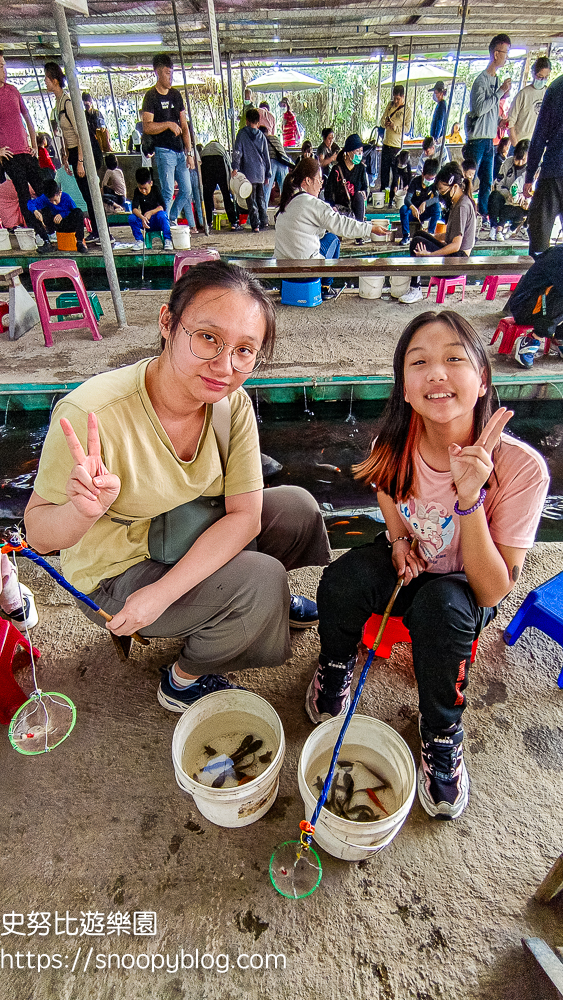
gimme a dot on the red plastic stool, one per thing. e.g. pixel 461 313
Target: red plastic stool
pixel 11 694
pixel 41 271
pixel 189 258
pixel 394 632
pixel 510 331
pixel 492 282
pixel 447 286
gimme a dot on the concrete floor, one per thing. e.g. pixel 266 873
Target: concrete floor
pixel 100 825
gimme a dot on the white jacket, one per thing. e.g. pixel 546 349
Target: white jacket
pixel 305 220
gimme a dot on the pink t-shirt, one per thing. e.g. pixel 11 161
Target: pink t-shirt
pixel 513 505
pixel 12 129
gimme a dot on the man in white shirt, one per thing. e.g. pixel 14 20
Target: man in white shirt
pixel 525 107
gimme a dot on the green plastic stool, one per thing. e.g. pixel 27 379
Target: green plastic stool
pixel 67 300
pixel 150 234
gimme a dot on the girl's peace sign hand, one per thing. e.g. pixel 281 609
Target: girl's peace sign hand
pixel 471 466
pixel 90 487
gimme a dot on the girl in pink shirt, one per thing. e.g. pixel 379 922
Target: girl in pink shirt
pixel 472 498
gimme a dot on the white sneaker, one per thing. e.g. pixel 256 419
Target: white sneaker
pixel 493 233
pixel 500 236
pixel 138 244
pixel 27 617
pixel 413 295
pixel 168 245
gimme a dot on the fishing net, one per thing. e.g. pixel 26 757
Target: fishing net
pixel 42 723
pixel 295 869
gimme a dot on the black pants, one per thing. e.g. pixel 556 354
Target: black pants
pixel 549 324
pixel 84 188
pixel 23 169
pixel 72 223
pixel 110 197
pixel 431 243
pixel 500 213
pixel 212 174
pixel 439 610
pixel 387 155
pixel 545 206
pixel 258 215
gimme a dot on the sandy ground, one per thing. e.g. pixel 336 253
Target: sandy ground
pixel 100 826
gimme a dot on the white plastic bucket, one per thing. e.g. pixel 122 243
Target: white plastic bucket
pixel 26 239
pixel 241 188
pixel 180 237
pixel 399 200
pixel 230 807
pixel 400 284
pixel 5 240
pixel 371 287
pixel 376 238
pixel 345 838
pixel 379 199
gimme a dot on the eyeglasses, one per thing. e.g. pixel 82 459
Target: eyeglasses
pixel 206 346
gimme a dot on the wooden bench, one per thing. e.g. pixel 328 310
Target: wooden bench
pixel 23 312
pixel 355 267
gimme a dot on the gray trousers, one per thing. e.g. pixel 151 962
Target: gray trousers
pixel 239 616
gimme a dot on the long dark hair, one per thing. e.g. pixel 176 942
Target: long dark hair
pixel 54 72
pixel 224 277
pixel 390 464
pixel 307 167
pixel 451 173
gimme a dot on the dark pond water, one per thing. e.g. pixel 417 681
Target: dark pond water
pixel 316 443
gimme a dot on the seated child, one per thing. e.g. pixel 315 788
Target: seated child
pixel 57 211
pixel 422 202
pixel 148 210
pixel 114 191
pixel 508 209
pixel 16 600
pixel 401 173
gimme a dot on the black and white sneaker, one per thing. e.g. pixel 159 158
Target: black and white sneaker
pixel 330 294
pixel 328 694
pixel 443 782
pixel 178 699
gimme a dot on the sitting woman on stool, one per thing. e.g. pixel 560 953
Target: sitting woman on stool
pixel 459 238
pixel 307 227
pixel 347 185
pixel 171 442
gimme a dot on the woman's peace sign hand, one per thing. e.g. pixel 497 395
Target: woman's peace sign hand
pixel 90 487
pixel 471 466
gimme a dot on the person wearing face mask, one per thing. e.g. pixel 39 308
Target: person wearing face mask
pixel 459 238
pixel 438 122
pixel 247 105
pixel 290 130
pixel 422 202
pixel 525 108
pixel 507 206
pixel 347 186
pixel 307 227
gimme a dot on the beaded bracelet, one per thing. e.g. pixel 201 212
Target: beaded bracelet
pixel 480 501
pixel 400 538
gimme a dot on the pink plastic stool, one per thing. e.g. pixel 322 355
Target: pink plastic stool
pixel 492 281
pixel 394 632
pixel 189 258
pixel 40 271
pixel 510 331
pixel 11 694
pixel 447 286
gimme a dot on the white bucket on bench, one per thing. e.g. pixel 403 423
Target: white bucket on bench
pixel 180 237
pixel 379 199
pixel 244 804
pixel 26 239
pixel 5 240
pixel 371 286
pixel 389 755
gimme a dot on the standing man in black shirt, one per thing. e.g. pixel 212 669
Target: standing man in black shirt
pixel 164 119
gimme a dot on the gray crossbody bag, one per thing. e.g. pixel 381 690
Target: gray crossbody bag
pixel 173 533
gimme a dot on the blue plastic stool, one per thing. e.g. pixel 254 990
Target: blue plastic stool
pixel 542 609
pixel 301 293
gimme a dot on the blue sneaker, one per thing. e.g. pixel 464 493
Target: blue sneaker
pixel 558 348
pixel 328 694
pixel 177 699
pixel 443 782
pixel 302 612
pixel 525 350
